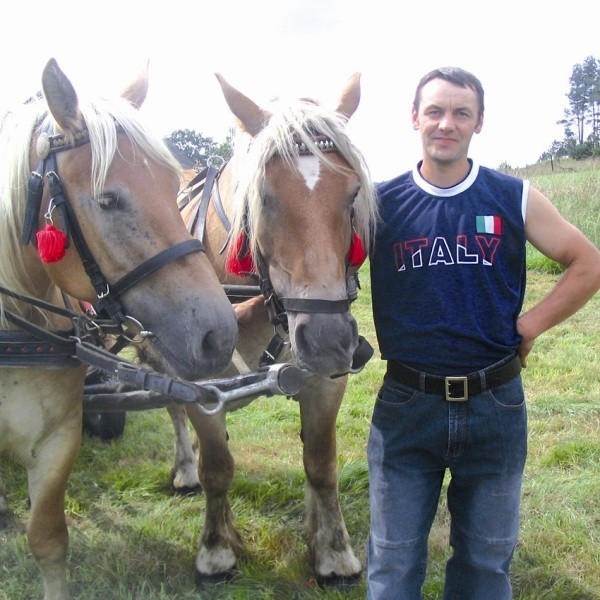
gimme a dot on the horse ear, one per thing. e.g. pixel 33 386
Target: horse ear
pixel 350 97
pixel 137 90
pixel 61 97
pixel 251 117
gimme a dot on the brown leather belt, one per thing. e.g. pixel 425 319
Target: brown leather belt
pixel 454 388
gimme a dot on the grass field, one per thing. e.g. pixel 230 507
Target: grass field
pixel 132 539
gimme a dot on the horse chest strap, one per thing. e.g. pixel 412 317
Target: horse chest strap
pixel 20 349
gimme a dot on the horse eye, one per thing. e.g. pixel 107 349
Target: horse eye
pixel 108 200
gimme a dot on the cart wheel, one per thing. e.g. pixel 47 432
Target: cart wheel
pixel 104 425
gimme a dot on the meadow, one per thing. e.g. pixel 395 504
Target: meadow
pixel 132 539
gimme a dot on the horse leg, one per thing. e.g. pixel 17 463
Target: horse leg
pixel 47 528
pixel 185 469
pixel 330 550
pixel 220 542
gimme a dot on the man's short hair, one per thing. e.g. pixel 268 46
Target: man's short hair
pixel 454 75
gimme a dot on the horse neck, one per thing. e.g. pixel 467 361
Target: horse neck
pixel 31 279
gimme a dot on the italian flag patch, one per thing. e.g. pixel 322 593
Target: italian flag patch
pixel 489 224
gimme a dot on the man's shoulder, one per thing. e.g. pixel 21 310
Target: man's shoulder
pixel 390 184
pixel 499 176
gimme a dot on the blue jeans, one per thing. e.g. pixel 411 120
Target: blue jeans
pixel 414 438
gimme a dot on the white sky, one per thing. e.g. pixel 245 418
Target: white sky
pixel 523 52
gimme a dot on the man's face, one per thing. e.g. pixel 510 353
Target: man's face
pixel 447 118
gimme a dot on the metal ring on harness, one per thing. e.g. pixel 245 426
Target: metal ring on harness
pixel 140 336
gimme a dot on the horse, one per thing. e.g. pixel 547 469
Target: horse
pixel 291 214
pixel 88 212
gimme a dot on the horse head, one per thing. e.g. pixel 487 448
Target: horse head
pixel 305 206
pixel 104 219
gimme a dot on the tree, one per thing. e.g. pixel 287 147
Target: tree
pixel 186 143
pixel 578 100
pixel 581 120
pixel 583 114
pixel 591 70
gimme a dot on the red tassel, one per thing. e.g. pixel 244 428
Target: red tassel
pixel 239 260
pixel 51 244
pixel 356 254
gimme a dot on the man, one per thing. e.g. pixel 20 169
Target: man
pixel 448 280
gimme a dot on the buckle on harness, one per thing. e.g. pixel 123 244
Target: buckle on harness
pixel 457 389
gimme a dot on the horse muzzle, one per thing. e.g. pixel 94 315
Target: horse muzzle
pixel 323 343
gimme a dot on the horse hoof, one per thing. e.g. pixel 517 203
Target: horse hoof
pixel 339 582
pixel 190 490
pixel 205 582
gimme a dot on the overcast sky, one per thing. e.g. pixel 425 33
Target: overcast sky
pixel 523 51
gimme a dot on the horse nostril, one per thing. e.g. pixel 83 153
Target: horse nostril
pixel 215 350
pixel 301 343
pixel 208 343
pixel 335 336
pixel 353 327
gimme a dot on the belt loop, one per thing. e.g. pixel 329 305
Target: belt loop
pixel 422 377
pixel 482 380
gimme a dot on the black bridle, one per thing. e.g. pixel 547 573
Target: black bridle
pixel 278 307
pixel 108 295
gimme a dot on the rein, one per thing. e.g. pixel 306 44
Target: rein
pixel 35 347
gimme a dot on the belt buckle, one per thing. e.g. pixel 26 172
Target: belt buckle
pixel 448 381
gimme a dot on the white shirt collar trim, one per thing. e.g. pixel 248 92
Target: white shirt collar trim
pixel 433 190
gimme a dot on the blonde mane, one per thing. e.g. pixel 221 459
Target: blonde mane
pixel 289 124
pixel 17 131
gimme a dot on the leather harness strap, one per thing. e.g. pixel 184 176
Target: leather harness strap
pixel 277 307
pixel 60 343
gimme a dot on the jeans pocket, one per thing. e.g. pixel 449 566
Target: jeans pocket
pixel 510 394
pixel 395 394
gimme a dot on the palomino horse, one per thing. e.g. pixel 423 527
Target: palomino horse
pixel 297 206
pixel 88 210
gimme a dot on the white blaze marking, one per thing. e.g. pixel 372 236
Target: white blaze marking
pixel 308 167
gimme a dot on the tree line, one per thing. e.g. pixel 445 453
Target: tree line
pixel 581 120
pixel 193 150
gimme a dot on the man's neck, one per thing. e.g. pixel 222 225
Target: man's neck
pixel 444 175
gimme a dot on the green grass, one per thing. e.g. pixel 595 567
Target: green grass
pixel 131 539
pixel 575 190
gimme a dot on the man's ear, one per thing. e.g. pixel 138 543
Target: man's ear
pixel 415 118
pixel 479 125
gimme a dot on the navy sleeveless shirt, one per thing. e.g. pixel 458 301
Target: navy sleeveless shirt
pixel 448 270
